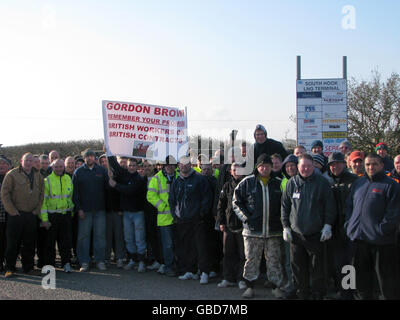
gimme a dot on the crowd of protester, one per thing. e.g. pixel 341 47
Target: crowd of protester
pixel 299 218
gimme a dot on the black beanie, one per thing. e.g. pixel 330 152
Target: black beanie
pixel 263 159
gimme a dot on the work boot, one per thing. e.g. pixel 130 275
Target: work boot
pixel 248 294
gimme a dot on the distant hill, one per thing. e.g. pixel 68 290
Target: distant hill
pixel 68 148
pixel 73 148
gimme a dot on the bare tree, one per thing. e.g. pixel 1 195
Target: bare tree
pixel 374 113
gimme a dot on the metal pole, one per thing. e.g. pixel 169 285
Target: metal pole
pixel 344 67
pixel 298 67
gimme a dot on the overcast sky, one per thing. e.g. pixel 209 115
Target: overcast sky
pixel 231 63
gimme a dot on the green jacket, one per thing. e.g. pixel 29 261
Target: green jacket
pixel 57 195
pixel 157 195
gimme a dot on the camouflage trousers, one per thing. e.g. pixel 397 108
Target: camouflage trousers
pixel 253 248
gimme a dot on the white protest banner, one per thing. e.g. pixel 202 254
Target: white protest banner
pixel 144 131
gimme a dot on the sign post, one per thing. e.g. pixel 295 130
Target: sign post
pixel 322 111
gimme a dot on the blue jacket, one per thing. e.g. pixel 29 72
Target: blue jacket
pixel 90 188
pixel 373 210
pixel 190 198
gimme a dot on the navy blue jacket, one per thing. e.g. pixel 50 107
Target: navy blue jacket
pixel 90 188
pixel 373 210
pixel 190 198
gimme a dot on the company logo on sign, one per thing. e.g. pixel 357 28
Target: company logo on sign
pixel 334 121
pixel 333 100
pixel 309 108
pixel 309 120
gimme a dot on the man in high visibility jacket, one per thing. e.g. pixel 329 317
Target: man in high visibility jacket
pixel 157 195
pixel 56 215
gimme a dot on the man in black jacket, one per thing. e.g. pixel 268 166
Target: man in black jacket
pixel 90 183
pixel 262 145
pixel 307 214
pixel 339 249
pixel 213 239
pixel 190 200
pixel 256 202
pixel 132 189
pixel 232 227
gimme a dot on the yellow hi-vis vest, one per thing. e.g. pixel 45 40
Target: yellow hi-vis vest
pixel 157 195
pixel 215 171
pixel 57 195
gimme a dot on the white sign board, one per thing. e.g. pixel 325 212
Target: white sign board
pixel 322 112
pixel 144 131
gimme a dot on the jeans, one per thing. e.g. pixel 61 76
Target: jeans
pixel 167 234
pixel 135 233
pixel 97 222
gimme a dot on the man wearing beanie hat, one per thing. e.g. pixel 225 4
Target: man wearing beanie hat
pixel 339 251
pixel 317 147
pixel 262 230
pixel 262 145
pixel 289 170
pixel 382 150
pixel 319 162
pixel 90 182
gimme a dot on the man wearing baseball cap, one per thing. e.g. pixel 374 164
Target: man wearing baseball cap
pixel 357 163
pixel 382 149
pixel 339 248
